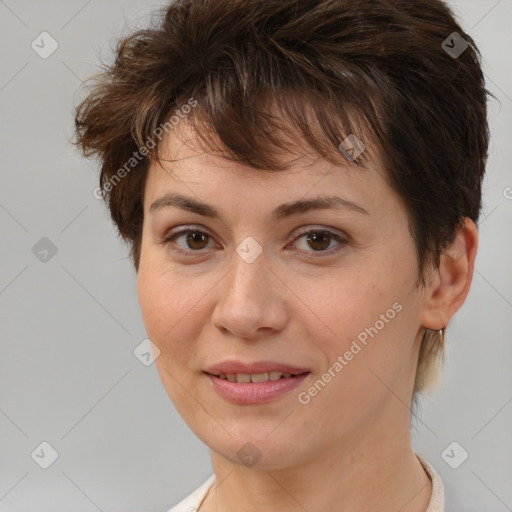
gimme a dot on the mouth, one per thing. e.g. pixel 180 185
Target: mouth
pixel 244 378
pixel 254 388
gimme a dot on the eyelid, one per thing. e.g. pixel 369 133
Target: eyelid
pixel 313 227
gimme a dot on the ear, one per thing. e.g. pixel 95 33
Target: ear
pixel 449 285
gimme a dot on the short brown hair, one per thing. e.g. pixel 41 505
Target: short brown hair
pixel 380 64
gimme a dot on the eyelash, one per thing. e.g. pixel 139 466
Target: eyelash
pixel 168 240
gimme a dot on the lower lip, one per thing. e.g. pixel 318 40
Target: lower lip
pixel 254 392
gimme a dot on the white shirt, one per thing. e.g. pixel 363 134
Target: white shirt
pixel 436 504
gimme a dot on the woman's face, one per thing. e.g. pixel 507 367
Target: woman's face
pixel 250 286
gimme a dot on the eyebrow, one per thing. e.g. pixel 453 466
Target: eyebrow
pixel 282 211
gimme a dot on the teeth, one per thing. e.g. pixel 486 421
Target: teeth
pixel 255 377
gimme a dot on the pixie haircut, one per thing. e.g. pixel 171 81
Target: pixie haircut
pixel 320 69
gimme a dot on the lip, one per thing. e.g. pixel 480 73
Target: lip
pixel 232 366
pixel 254 392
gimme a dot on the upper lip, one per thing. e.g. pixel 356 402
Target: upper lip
pixel 253 368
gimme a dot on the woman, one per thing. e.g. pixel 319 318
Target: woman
pixel 299 182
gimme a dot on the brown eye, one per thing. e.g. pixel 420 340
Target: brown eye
pixel 194 240
pixel 319 240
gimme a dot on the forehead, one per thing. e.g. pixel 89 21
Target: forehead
pixel 183 147
pixel 183 156
pixel 190 169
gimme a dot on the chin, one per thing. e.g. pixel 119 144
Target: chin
pixel 256 449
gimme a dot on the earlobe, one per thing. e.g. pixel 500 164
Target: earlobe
pixel 450 283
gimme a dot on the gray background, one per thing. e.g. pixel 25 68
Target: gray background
pixel 69 326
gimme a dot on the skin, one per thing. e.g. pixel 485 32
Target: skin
pixel 349 448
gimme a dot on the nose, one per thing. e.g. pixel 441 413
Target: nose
pixel 251 300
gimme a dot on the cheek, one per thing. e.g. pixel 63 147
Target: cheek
pixel 149 293
pixel 354 298
pixel 170 305
pixel 167 326
pixel 363 362
pixel 160 307
pixel 372 318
